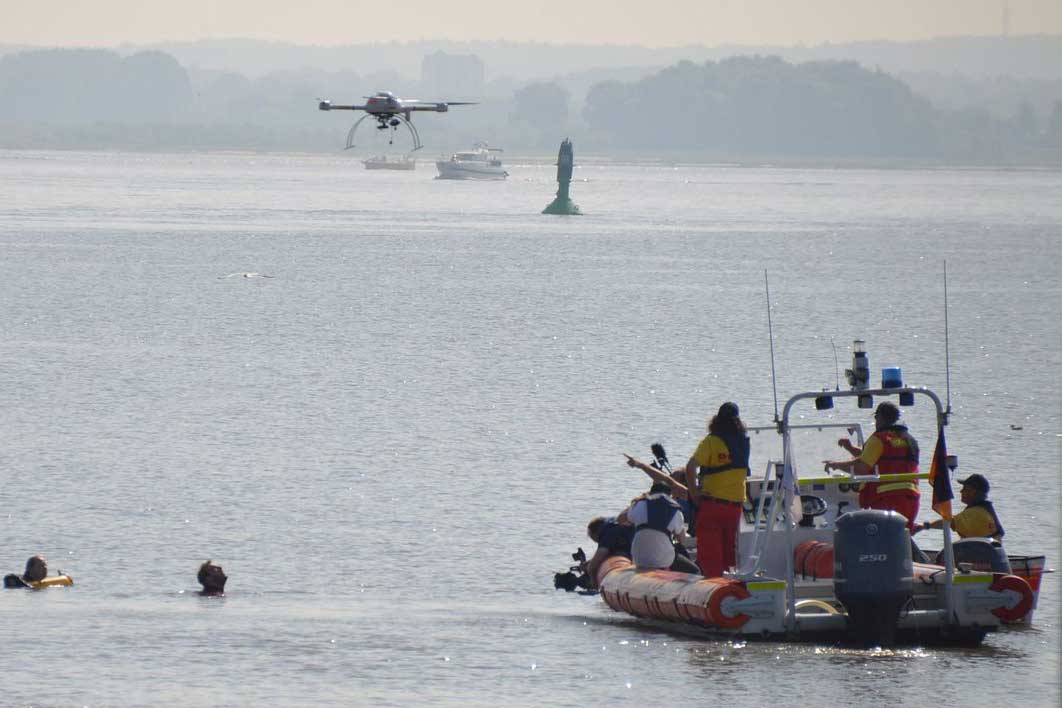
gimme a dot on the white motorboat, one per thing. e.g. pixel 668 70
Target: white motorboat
pixel 812 565
pixel 482 162
pixel 393 162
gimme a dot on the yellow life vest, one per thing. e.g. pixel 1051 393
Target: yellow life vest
pixel 726 478
pixel 52 582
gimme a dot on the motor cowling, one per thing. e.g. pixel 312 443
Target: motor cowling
pixel 872 571
pixel 983 554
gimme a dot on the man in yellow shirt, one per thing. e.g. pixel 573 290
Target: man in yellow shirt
pixel 979 518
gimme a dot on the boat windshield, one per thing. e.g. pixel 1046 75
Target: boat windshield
pixel 811 444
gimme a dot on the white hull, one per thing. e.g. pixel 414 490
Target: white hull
pixel 789 582
pixel 450 169
pixel 383 163
pixel 482 162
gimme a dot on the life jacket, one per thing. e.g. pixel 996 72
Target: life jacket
pixel 659 510
pixel 616 538
pixel 14 581
pixel 719 481
pixel 987 506
pixel 899 456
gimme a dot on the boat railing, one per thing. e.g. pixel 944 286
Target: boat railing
pixel 787 482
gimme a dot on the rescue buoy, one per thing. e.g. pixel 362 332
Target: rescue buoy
pixel 1014 584
pixel 52 582
pixel 722 590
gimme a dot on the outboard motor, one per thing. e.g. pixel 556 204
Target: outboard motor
pixel 872 572
pixel 981 553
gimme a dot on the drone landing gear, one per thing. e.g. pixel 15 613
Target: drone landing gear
pixel 384 123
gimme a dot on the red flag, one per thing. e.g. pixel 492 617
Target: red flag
pixel 939 478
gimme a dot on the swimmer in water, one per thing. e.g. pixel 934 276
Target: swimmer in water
pixel 36 571
pixel 212 577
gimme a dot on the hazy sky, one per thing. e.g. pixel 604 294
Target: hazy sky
pixel 659 23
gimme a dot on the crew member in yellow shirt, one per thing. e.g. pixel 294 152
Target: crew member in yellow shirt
pixel 715 479
pixel 978 518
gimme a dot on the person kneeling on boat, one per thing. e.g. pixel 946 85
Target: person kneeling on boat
pixel 892 450
pixel 715 478
pixel 612 539
pixel 212 577
pixel 36 571
pixel 978 519
pixel 658 526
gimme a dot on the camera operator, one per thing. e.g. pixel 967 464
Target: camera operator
pixel 612 539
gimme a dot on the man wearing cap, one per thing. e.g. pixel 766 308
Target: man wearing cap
pixel 978 518
pixel 715 478
pixel 891 450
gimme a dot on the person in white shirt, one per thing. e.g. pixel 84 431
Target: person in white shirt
pixel 659 523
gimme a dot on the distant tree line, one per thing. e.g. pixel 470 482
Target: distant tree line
pixel 766 106
pixel 763 105
pixel 754 107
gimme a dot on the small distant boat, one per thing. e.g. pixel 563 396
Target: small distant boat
pixel 383 162
pixel 482 162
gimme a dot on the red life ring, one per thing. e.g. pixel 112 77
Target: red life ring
pixel 715 605
pixel 1018 585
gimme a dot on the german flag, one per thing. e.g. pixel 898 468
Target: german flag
pixel 940 479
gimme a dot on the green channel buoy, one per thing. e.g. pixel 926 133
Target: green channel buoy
pixel 563 204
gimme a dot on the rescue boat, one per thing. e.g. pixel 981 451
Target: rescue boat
pixel 813 566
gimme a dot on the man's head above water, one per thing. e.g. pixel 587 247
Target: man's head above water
pixel 212 577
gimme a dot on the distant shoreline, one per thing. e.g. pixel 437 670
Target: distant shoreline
pixel 594 159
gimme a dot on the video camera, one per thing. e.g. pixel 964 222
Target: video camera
pixel 576 577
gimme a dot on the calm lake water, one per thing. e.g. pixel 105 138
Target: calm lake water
pixel 393 442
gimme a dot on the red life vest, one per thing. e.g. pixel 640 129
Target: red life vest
pixel 899 456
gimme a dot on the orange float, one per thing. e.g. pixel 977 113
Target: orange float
pixel 813 559
pixel 668 595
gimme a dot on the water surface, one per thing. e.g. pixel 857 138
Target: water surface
pixel 393 442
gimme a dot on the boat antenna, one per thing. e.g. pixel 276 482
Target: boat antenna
pixel 836 367
pixel 770 332
pixel 947 353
